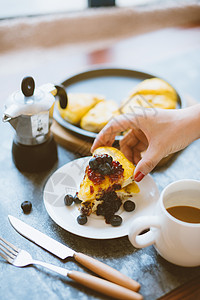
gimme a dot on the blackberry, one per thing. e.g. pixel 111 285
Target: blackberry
pixel 100 210
pixel 110 205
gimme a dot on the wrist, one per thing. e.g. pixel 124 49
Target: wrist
pixel 192 121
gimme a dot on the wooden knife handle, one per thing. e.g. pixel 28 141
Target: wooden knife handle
pixel 106 271
pixel 103 286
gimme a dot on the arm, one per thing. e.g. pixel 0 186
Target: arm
pixel 158 132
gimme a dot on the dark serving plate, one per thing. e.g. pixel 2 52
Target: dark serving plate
pixel 113 83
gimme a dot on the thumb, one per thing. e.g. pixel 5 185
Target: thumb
pixel 147 163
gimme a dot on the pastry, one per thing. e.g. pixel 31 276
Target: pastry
pixel 99 116
pixel 154 92
pixel 107 173
pixel 78 105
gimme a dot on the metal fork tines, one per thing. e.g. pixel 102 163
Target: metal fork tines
pixel 21 258
pixel 9 250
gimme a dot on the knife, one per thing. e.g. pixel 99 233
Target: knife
pixel 62 251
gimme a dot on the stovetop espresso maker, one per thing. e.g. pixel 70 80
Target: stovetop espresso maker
pixel 29 112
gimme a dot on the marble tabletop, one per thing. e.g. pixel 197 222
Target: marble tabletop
pixel 157 276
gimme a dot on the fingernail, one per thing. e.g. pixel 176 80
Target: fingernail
pixel 138 176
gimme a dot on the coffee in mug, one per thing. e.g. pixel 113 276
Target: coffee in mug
pixel 184 212
pixel 187 214
pixel 175 227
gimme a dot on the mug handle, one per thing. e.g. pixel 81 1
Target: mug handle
pixel 140 224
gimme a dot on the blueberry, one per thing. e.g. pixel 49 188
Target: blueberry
pixel 116 220
pixel 68 200
pixel 26 207
pixel 77 200
pixel 93 163
pixel 107 159
pixel 82 219
pixel 104 169
pixel 129 205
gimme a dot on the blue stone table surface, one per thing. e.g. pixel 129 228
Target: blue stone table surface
pixel 156 275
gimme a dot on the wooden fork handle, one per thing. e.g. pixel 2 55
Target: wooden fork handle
pixel 106 271
pixel 103 286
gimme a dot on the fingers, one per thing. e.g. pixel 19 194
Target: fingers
pixel 132 144
pixel 129 139
pixel 107 135
pixel 136 156
pixel 148 162
pixel 127 143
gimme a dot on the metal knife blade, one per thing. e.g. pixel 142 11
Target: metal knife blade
pixel 40 238
pixel 63 252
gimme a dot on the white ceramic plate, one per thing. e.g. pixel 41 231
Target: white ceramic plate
pixel 66 180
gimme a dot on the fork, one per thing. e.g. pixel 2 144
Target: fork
pixel 21 258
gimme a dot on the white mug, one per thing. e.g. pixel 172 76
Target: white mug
pixel 176 241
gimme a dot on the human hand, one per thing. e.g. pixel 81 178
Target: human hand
pixel 158 132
